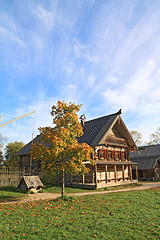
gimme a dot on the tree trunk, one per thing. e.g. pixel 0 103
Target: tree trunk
pixel 63 183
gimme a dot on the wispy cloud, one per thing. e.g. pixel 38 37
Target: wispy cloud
pixel 23 128
pixel 103 54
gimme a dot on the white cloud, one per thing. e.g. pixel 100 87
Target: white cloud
pixel 79 48
pixel 133 93
pixel 11 36
pixel 47 17
pixel 91 79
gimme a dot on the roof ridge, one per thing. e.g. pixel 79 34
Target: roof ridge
pixel 117 113
pixel 149 145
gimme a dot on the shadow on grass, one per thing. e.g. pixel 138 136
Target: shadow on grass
pixel 8 198
pixel 12 189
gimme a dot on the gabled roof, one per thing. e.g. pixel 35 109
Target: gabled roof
pixel 146 156
pixel 31 182
pixel 146 163
pixel 146 152
pixel 94 131
pixel 27 148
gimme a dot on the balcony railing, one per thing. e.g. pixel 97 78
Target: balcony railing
pixel 116 141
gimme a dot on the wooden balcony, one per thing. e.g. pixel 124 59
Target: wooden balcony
pixel 116 141
pixel 111 155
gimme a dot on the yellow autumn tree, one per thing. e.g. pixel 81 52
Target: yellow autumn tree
pixel 59 151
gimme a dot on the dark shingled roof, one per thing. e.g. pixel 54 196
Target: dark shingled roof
pixel 27 148
pixel 94 130
pixel 146 158
pixel 147 151
pixel 146 163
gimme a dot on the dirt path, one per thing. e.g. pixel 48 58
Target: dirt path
pixel 50 196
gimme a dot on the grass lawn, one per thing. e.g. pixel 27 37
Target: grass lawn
pixel 121 216
pixel 8 194
pixel 57 189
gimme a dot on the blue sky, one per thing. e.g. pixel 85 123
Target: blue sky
pixel 103 54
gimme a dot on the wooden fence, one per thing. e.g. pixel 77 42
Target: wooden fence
pixel 12 176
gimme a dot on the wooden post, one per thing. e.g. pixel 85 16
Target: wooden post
pixel 115 174
pixel 136 172
pixel 105 154
pixel 123 172
pixel 92 175
pixel 82 179
pixel 23 171
pixel 30 166
pixel 106 175
pixel 95 170
pixel 130 172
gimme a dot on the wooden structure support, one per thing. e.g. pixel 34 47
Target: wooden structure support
pixel 106 175
pixel 136 172
pixel 123 172
pixel 95 171
pixel 83 181
pixel 130 172
pixel 115 173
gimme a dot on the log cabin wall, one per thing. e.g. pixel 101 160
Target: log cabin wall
pixel 25 162
pixel 157 171
pixel 115 147
pixel 81 179
pixel 25 165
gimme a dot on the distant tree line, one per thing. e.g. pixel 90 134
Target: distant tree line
pixel 154 137
pixel 9 153
pixel 7 156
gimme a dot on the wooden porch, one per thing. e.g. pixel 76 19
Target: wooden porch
pixel 104 174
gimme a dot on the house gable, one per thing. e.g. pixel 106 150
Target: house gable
pixel 118 131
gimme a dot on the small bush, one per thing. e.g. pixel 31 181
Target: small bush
pixel 49 180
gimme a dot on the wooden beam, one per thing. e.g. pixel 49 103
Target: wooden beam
pixel 92 175
pixel 115 173
pixel 106 175
pixel 130 172
pixel 136 172
pixel 95 172
pixel 83 180
pixel 123 172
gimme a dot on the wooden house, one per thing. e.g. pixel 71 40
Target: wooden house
pixel 111 141
pixel 27 164
pixel 148 158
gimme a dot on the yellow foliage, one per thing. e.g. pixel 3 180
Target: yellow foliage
pixel 63 151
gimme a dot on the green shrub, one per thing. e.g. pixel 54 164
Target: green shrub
pixel 50 180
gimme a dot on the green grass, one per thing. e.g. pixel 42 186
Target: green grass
pixel 10 194
pixel 57 189
pixel 118 216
